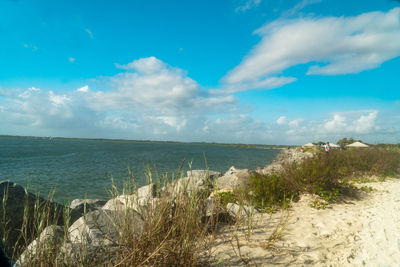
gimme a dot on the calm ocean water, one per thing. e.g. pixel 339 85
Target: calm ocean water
pixel 79 168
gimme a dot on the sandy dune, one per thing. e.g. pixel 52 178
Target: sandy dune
pixel 356 232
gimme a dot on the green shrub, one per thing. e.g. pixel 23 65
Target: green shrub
pixel 271 189
pixel 325 174
pixel 225 197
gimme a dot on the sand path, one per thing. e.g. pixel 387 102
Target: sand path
pixel 380 236
pixel 357 232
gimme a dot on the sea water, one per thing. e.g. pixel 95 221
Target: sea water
pixel 83 168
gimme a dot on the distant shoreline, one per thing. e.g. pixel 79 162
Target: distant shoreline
pixel 259 146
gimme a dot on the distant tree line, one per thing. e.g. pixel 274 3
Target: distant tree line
pixel 347 141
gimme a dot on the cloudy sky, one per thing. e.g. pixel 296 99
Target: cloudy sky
pixel 241 71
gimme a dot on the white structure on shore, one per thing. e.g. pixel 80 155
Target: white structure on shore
pixel 357 144
pixel 309 145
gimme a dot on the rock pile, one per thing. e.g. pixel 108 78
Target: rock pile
pixel 287 156
pixel 96 224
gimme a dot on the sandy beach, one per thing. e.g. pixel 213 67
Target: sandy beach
pixel 355 232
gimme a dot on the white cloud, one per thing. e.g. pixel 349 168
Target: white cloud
pixel 147 100
pixel 300 6
pixel 296 127
pixel 116 123
pixel 175 122
pixel 40 112
pixel 362 124
pixel 281 120
pixel 145 65
pixel 38 108
pixel 342 44
pixel 58 100
pixel 152 100
pixel 151 86
pixel 295 123
pixel 31 47
pixel 352 122
pixel 71 59
pixel 90 33
pixel 239 128
pixel 83 89
pixel 262 84
pixel 28 93
pixel 248 5
pixel 337 123
pixel 366 123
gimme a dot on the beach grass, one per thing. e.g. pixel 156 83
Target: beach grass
pixel 328 175
pixel 175 232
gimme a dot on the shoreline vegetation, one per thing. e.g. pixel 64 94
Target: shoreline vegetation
pixel 261 146
pixel 155 142
pixel 198 218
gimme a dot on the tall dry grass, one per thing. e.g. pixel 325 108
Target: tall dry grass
pixel 175 232
pixel 17 232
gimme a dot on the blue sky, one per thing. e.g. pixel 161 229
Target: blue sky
pixel 242 71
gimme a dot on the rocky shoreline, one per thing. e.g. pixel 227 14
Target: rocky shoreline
pixel 319 237
pixel 95 223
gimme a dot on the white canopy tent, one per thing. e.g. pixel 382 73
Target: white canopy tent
pixel 357 144
pixel 333 145
pixel 309 145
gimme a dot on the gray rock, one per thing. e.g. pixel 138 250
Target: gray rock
pixel 215 211
pixel 196 180
pixel 48 242
pixel 81 206
pixel 240 211
pixel 118 203
pixel 293 155
pixel 75 254
pixel 14 198
pixel 103 227
pixel 124 202
pixel 185 185
pixel 203 174
pixel 275 167
pixel 286 156
pixel 97 203
pixel 211 208
pixel 137 200
pixel 147 191
pixel 234 178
